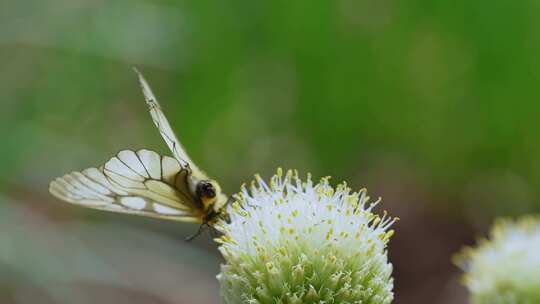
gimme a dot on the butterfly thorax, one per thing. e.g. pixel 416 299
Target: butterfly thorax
pixel 204 194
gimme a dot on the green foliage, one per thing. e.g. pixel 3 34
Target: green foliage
pixel 450 87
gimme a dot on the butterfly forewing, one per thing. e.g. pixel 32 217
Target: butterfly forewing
pixel 141 182
pixel 161 122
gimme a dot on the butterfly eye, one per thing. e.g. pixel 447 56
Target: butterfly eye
pixel 206 189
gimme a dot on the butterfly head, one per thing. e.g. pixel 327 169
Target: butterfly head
pixel 209 194
pixel 205 190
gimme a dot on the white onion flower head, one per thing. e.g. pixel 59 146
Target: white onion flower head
pixel 294 241
pixel 506 268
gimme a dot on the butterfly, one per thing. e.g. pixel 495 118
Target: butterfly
pixel 146 183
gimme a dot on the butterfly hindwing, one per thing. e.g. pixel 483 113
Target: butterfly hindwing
pixel 141 182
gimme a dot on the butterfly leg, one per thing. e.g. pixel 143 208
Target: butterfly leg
pixel 214 232
pixel 196 234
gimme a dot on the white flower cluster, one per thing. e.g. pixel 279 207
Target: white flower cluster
pixel 506 268
pixel 297 242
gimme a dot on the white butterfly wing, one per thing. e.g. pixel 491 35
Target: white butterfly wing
pixel 142 182
pixel 165 129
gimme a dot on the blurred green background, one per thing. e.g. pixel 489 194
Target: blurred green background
pixel 432 105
